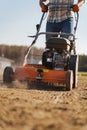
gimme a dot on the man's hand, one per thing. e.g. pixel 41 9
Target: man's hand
pixel 75 8
pixel 44 7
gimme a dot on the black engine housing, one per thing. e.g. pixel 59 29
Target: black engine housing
pixel 54 60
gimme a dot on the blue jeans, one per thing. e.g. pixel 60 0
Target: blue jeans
pixel 65 26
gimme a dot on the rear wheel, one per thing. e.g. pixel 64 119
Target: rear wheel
pixel 69 80
pixel 73 65
pixel 7 75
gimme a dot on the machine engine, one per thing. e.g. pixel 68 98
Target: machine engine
pixel 58 53
pixel 55 60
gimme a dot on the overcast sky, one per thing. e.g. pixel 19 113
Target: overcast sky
pixel 18 19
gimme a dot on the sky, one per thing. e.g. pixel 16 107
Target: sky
pixel 18 19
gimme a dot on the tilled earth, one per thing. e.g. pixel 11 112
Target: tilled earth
pixel 43 109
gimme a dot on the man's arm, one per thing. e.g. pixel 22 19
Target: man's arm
pixel 81 2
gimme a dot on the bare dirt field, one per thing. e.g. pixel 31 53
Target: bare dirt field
pixel 46 109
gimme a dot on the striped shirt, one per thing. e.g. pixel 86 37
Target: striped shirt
pixel 59 10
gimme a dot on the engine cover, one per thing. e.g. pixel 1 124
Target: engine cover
pixel 55 60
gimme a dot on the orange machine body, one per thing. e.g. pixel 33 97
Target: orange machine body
pixel 33 72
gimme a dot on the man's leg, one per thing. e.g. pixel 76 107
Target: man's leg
pixel 52 27
pixel 67 27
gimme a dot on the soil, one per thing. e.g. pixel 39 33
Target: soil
pixel 22 108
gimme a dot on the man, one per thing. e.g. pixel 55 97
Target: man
pixel 60 17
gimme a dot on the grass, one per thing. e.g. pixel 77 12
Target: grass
pixel 82 74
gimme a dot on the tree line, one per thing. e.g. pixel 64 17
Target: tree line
pixel 83 63
pixel 17 54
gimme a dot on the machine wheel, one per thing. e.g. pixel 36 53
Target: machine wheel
pixel 69 80
pixel 7 75
pixel 73 65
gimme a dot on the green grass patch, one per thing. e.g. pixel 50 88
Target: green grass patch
pixel 82 74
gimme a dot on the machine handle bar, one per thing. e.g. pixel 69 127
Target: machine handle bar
pixel 54 33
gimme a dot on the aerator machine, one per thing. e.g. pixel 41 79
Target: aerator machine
pixel 59 63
